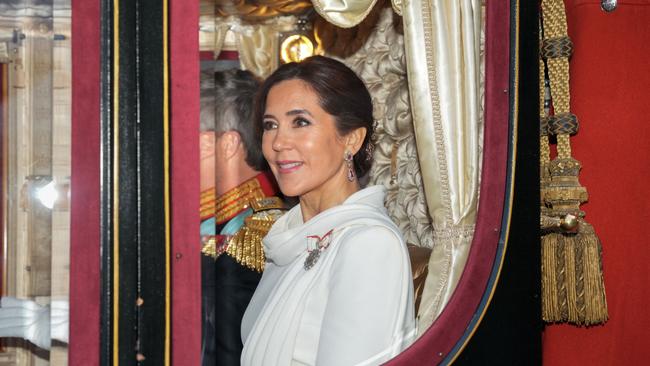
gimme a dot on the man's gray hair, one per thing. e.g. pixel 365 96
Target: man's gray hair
pixel 227 104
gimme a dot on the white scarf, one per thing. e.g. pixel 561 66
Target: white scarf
pixel 271 340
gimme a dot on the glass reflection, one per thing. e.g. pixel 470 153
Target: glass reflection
pixel 35 74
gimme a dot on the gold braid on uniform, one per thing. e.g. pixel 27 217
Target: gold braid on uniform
pixel 207 203
pixel 246 245
pixel 237 199
pixel 572 281
pixel 225 208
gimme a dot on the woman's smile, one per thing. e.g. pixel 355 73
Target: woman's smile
pixel 285 166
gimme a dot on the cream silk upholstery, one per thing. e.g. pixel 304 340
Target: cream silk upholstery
pixel 442 44
pixel 258 50
pixel 344 13
pixel 257 44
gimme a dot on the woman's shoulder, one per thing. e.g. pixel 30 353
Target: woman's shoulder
pixel 371 254
pixel 372 240
pixel 385 231
pixel 373 223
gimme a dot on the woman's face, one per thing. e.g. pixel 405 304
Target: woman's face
pixel 301 142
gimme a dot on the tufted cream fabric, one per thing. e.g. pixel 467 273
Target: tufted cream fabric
pixel 381 64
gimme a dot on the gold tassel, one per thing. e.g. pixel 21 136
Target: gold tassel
pixel 594 288
pixel 573 290
pixel 572 284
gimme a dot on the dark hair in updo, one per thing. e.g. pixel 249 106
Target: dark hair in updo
pixel 341 94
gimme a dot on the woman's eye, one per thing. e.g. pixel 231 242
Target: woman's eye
pixel 301 122
pixel 269 125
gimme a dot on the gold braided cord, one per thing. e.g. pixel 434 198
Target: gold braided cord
pixel 553 284
pixel 558 73
pixel 558 68
pixel 544 150
pixel 572 283
pixel 545 153
pixel 563 146
pixel 554 18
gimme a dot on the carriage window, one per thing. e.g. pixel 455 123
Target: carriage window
pixel 35 100
pixel 259 38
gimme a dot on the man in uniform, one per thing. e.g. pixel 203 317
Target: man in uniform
pixel 236 212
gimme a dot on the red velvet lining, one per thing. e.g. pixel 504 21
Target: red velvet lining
pixel 3 108
pixel 84 205
pixel 185 195
pixel 228 55
pixel 223 55
pixel 443 335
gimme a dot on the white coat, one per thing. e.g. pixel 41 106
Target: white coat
pixel 353 307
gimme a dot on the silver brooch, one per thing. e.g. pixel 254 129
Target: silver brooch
pixel 317 244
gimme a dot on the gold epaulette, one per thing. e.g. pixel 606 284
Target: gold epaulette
pixel 209 246
pixel 246 245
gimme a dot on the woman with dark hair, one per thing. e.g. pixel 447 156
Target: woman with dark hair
pixel 336 289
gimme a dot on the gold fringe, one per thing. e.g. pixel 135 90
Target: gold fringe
pixel 594 286
pixel 550 299
pixel 570 279
pixel 246 245
pixel 560 277
pixel 573 290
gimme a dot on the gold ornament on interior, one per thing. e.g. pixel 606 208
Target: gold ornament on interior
pixel 573 290
pixel 299 44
